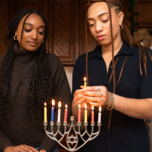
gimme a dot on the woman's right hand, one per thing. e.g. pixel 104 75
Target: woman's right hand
pixel 20 148
pixel 92 95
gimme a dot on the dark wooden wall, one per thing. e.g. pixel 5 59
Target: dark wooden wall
pixel 66 23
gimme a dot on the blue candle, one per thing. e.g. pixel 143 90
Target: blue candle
pixel 52 111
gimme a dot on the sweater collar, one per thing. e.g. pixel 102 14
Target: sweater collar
pixel 25 56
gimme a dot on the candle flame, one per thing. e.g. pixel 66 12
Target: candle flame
pixel 66 106
pixel 59 104
pixel 92 107
pixel 79 106
pixel 100 109
pixel 85 106
pixel 85 78
pixel 45 104
pixel 53 102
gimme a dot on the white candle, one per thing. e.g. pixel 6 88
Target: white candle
pixel 59 112
pixel 99 115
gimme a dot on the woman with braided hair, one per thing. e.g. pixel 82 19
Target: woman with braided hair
pixel 119 78
pixel 29 76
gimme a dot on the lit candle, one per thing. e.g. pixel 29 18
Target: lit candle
pixel 52 110
pixel 85 82
pixel 65 113
pixel 45 112
pixel 59 111
pixel 79 113
pixel 85 113
pixel 92 114
pixel 99 115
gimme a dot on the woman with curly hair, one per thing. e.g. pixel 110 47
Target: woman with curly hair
pixel 119 77
pixel 29 76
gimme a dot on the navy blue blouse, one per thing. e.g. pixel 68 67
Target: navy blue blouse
pixel 126 134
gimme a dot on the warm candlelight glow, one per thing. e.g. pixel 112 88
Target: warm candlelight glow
pixel 53 102
pixel 92 107
pixel 85 78
pixel 59 104
pixel 85 106
pixel 66 106
pixel 100 109
pixel 79 106
pixel 45 104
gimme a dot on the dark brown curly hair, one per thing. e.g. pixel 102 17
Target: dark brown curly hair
pixel 40 87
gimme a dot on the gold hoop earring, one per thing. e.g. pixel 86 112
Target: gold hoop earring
pixel 15 38
pixel 121 27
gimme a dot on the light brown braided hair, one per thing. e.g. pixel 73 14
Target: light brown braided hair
pixel 126 35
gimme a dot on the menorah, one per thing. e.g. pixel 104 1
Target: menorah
pixel 72 138
pixel 78 133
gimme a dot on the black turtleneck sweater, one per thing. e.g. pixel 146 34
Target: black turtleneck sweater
pixel 20 127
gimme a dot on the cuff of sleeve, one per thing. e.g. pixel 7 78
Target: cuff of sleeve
pixel 5 146
pixel 48 144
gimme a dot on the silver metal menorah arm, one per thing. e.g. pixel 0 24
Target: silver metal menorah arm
pixel 97 133
pixel 52 136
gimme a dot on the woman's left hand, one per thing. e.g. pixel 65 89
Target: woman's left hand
pixel 96 95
